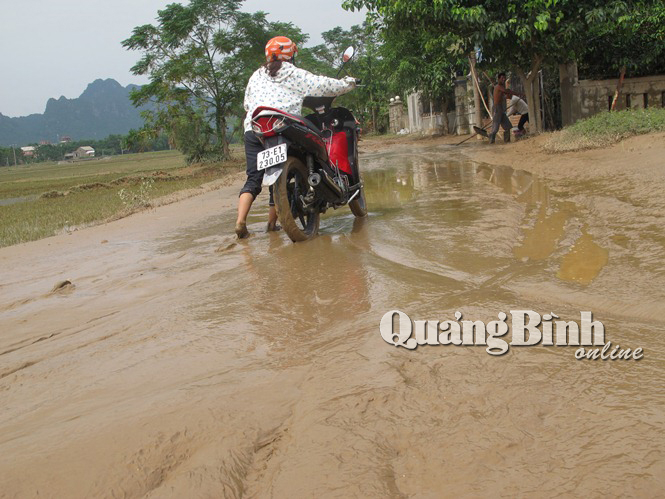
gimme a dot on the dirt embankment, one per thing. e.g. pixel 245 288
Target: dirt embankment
pixel 643 156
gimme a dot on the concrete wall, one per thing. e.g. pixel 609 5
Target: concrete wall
pixel 581 99
pixel 435 122
pixel 415 107
pixel 398 120
pixel 465 110
pixel 432 122
pixel 459 121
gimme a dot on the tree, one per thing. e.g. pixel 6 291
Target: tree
pixel 7 156
pixel 370 67
pixel 509 33
pixel 192 57
pixel 366 65
pixel 633 43
pixel 423 60
pixel 199 58
pixel 138 140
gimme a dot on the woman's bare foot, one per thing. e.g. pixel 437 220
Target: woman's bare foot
pixel 241 230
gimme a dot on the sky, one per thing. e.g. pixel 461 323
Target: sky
pixel 52 48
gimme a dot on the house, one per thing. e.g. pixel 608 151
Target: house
pixel 84 152
pixel 28 151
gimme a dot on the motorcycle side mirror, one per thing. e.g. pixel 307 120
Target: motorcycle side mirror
pixel 348 54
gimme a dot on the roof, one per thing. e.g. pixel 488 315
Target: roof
pixel 86 148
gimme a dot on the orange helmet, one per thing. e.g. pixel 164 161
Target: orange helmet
pixel 280 48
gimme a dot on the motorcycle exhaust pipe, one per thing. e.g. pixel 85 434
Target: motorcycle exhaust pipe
pixel 314 179
pixel 332 185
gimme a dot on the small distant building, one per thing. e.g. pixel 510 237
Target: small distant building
pixel 64 139
pixel 84 152
pixel 28 151
pixel 44 142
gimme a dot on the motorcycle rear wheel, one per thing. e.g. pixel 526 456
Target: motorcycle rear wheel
pixel 298 223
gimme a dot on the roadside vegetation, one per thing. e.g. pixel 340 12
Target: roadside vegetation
pixel 45 199
pixel 605 129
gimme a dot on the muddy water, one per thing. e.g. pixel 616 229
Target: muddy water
pixel 206 367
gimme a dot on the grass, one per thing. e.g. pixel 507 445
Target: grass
pixel 65 196
pixel 605 129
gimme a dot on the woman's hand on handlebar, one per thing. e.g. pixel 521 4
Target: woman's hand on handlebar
pixel 351 80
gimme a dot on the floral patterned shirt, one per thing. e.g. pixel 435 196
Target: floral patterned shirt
pixel 287 90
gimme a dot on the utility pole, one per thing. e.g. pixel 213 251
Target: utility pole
pixel 14 150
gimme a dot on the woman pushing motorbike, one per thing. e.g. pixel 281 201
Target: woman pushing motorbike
pixel 278 84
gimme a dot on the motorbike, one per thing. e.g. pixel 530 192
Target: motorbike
pixel 311 162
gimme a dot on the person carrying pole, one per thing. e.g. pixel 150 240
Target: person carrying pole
pixel 499 118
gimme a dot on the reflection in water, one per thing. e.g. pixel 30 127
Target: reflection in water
pixel 389 189
pixel 541 241
pixel 455 195
pixel 584 261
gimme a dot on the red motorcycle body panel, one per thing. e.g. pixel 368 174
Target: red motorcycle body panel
pixel 339 152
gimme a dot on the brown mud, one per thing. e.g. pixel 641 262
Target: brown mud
pixel 179 362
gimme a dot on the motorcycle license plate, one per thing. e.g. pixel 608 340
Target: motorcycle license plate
pixel 271 157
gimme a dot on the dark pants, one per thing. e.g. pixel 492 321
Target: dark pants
pixel 523 119
pixel 253 147
pixel 500 119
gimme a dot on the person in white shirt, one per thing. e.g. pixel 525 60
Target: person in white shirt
pixel 518 106
pixel 281 85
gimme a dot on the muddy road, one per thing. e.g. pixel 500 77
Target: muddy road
pixel 179 362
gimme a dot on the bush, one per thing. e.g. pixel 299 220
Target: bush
pixel 606 128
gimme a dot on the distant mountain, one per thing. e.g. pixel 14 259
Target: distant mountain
pixel 104 108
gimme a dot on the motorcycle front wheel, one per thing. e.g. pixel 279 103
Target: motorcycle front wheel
pixel 358 205
pixel 291 186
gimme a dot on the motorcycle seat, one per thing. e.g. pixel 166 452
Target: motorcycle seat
pixel 311 125
pixel 270 110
